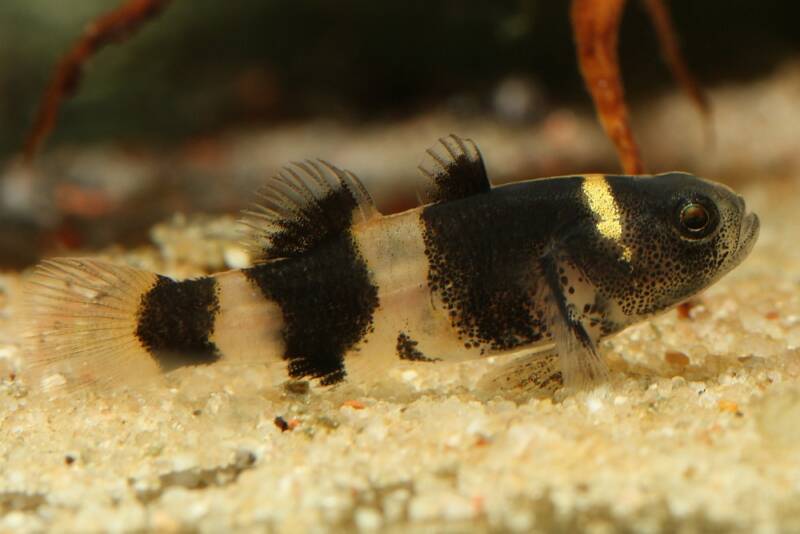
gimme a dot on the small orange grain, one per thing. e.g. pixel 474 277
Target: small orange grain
pixel 728 406
pixel 354 404
pixel 676 358
pixel 684 309
pixel 481 441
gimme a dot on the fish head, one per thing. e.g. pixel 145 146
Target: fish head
pixel 659 240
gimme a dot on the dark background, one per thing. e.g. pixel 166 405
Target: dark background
pixel 190 114
pixel 205 65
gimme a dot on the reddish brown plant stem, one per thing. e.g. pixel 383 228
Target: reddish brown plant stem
pixel 112 27
pixel 595 25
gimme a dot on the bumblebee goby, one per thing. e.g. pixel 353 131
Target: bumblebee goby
pixel 544 269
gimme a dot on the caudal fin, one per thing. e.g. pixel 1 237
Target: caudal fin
pixel 81 323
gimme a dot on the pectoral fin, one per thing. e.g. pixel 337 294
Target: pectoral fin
pixel 580 363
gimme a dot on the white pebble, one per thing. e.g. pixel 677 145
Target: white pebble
pixel 368 519
pixel 409 376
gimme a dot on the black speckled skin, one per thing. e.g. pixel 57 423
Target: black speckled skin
pixel 176 321
pixel 327 301
pixel 407 349
pixel 666 268
pixel 484 256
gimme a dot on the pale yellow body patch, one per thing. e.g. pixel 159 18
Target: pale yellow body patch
pixel 248 326
pixel 601 201
pixel 393 248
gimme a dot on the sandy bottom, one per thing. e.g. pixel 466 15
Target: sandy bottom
pixel 697 429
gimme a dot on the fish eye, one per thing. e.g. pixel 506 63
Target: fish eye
pixel 696 218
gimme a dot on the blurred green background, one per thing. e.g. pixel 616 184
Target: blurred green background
pixel 191 114
pixel 206 65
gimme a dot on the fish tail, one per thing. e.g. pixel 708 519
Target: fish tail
pixel 88 321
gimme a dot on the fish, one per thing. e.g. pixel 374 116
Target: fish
pixel 542 270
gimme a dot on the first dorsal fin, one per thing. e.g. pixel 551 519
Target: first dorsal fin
pixel 303 205
pixel 454 169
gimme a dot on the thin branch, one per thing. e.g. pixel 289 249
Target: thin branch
pixel 112 27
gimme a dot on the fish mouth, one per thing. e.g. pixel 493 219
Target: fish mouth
pixel 748 235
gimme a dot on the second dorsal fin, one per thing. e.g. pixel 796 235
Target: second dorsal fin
pixel 303 205
pixel 454 169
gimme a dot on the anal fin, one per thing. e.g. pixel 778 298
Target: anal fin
pixel 534 374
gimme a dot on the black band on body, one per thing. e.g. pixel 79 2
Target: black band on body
pixel 482 255
pixel 176 321
pixel 327 300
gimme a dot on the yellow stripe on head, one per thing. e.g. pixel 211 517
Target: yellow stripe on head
pixel 600 199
